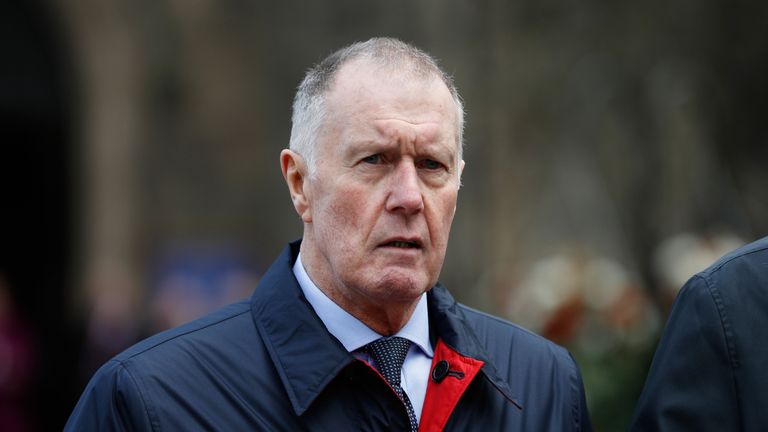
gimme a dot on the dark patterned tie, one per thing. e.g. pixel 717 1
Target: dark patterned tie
pixel 389 354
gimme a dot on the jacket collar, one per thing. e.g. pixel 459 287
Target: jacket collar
pixel 305 355
pixel 307 358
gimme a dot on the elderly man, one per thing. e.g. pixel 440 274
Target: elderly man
pixel 349 329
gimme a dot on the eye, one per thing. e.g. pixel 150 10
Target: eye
pixel 430 164
pixel 372 159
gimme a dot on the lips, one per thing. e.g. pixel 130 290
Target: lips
pixel 402 243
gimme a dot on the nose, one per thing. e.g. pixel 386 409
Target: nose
pixel 405 190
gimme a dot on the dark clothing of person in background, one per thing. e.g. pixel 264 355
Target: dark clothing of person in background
pixel 710 372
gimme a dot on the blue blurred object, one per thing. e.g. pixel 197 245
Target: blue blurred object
pixel 190 282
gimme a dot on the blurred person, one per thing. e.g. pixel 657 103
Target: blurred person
pixel 709 370
pixel 18 365
pixel 349 329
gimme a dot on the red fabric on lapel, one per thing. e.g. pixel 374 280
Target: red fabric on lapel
pixel 442 397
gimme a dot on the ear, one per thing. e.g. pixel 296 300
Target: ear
pixel 295 173
pixel 461 170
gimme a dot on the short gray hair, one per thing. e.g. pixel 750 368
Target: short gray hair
pixel 309 104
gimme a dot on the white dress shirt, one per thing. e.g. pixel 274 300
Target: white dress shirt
pixel 353 334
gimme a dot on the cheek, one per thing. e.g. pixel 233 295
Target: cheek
pixel 343 214
pixel 444 213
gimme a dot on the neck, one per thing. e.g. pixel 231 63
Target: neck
pixel 385 321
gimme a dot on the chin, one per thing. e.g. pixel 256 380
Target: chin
pixel 401 287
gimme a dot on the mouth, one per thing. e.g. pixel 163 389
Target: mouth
pixel 403 244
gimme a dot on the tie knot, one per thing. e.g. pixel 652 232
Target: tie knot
pixel 389 354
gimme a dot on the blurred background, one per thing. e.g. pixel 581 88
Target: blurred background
pixel 613 150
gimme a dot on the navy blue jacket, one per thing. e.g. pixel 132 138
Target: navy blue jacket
pixel 710 370
pixel 270 364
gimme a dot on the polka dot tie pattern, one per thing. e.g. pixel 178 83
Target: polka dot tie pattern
pixel 389 354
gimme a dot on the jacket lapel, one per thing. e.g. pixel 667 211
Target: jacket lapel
pixel 305 355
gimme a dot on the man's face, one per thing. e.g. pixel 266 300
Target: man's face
pixel 383 195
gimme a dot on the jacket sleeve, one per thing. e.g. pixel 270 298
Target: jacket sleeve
pixel 691 384
pixel 112 401
pixel 579 411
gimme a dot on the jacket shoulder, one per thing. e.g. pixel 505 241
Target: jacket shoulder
pixel 494 332
pixel 525 360
pixel 208 327
pixel 163 381
pixel 746 264
pixel 111 401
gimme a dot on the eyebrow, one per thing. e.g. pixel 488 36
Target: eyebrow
pixel 369 146
pixel 433 151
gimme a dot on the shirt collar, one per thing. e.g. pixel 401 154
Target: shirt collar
pixel 350 331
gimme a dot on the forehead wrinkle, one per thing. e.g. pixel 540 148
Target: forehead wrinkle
pixel 409 132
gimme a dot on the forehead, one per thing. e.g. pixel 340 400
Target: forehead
pixel 363 94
